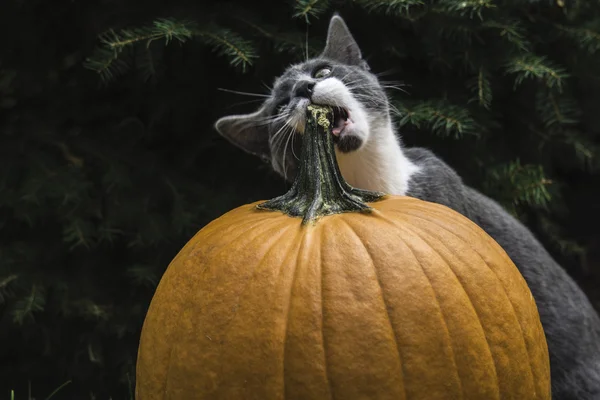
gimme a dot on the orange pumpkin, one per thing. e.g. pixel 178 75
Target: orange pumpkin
pixel 366 297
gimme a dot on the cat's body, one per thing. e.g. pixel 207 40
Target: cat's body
pixel 371 156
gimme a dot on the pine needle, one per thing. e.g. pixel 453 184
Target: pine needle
pixel 556 110
pixel 106 59
pixel 224 42
pixel 442 118
pixel 390 7
pixel 553 232
pixel 114 57
pixel 310 8
pixel 468 8
pixel 25 308
pixel 586 36
pixel 530 66
pixel 143 275
pixel 5 290
pixel 512 31
pixel 481 89
pixel 525 184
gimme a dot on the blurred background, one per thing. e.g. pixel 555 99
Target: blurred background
pixel 109 161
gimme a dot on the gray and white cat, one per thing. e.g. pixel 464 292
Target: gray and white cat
pixel 371 156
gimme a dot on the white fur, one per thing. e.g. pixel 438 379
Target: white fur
pixel 333 92
pixel 379 164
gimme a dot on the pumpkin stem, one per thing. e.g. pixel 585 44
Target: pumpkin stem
pixel 319 188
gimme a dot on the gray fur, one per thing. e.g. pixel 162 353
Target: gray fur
pixel 261 134
pixel 571 325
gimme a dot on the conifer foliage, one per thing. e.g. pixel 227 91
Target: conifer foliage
pixel 109 161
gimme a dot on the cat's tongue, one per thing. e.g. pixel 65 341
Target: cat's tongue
pixel 340 125
pixel 341 121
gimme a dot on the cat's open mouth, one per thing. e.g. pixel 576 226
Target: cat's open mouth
pixel 341 119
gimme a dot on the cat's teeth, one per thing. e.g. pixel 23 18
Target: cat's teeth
pixel 342 119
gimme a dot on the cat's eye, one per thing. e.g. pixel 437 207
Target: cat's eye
pixel 322 73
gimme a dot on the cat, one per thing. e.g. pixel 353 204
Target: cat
pixel 371 156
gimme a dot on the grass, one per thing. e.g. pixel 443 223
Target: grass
pixel 55 391
pixel 12 392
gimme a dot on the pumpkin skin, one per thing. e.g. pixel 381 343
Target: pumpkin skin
pixel 411 301
pixel 366 296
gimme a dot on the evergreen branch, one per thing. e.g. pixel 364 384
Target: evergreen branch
pixel 289 42
pixel 6 281
pixel 78 233
pixel 460 33
pixel 556 110
pixel 143 275
pixel 4 287
pixel 26 307
pixel 585 150
pixel 553 232
pixel 89 309
pixel 314 8
pixel 94 356
pixel 481 88
pixel 105 60
pixel 241 52
pixel 442 118
pixel 585 36
pixel 513 31
pixel 466 7
pixel 145 63
pixel 525 184
pixel 530 66
pixel 391 7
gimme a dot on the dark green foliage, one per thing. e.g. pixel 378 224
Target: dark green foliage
pixel 109 162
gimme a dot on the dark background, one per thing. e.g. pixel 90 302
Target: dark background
pixel 109 162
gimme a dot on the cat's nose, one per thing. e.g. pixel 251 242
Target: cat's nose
pixel 304 89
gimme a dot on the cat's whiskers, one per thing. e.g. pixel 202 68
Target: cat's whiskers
pixel 245 102
pixel 279 137
pixel 270 120
pixel 261 95
pixel 343 78
pixel 290 134
pixel 386 72
pixel 269 88
pixel 286 117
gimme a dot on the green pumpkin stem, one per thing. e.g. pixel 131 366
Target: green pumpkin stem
pixel 319 188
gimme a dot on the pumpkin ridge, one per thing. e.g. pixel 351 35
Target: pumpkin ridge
pixel 186 256
pixel 387 310
pixel 219 251
pixel 290 252
pixel 525 345
pixel 474 228
pixel 262 259
pixel 440 306
pixel 166 382
pixel 215 231
pixel 321 264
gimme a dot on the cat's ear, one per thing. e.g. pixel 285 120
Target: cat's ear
pixel 340 45
pixel 247 131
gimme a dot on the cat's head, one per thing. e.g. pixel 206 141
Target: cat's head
pixel 339 77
